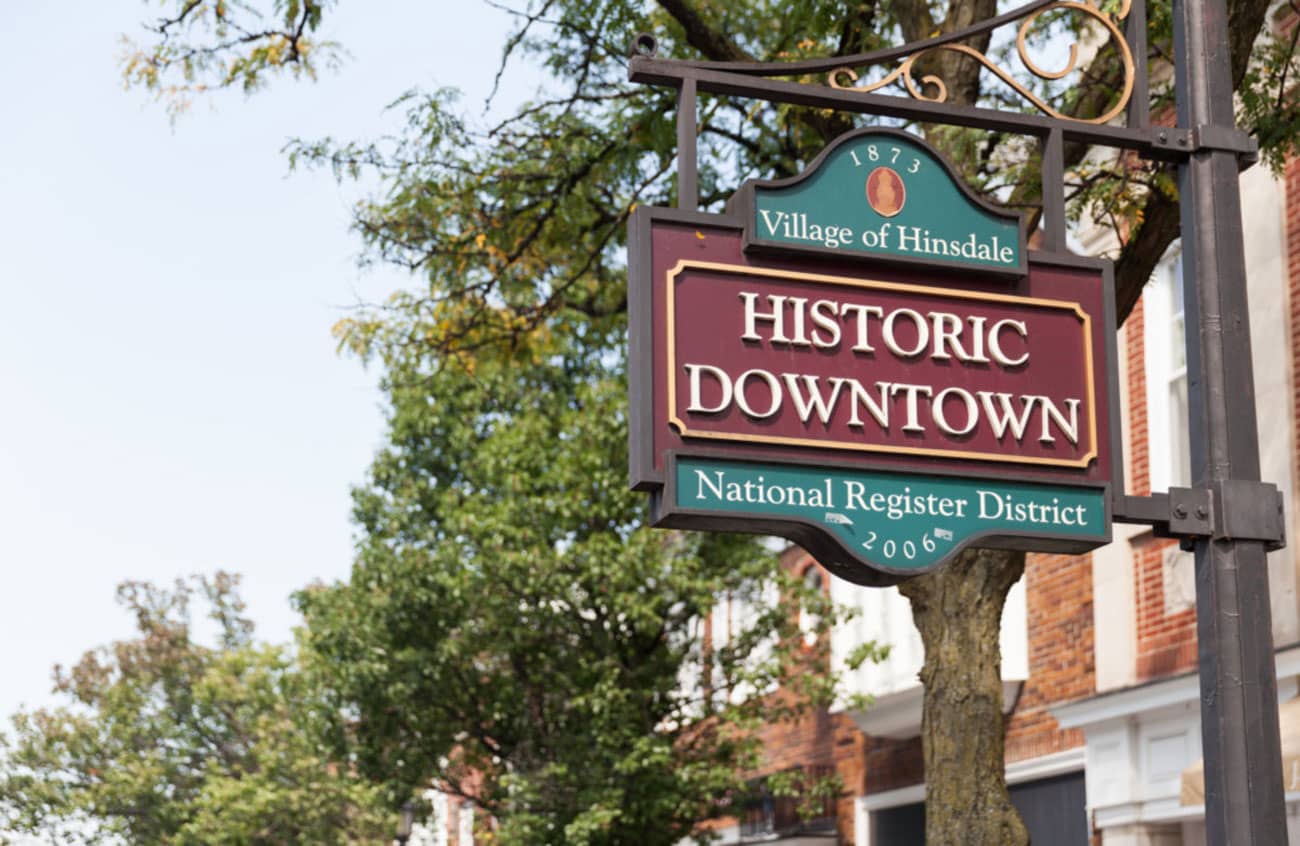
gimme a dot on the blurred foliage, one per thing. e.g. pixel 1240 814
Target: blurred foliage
pixel 512 633
pixel 166 740
pixel 1270 96
pixel 199 46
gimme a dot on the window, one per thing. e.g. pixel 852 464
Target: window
pixel 434 831
pixel 808 621
pixel 764 815
pixel 735 615
pixel 465 825
pixel 1164 335
pixel 758 813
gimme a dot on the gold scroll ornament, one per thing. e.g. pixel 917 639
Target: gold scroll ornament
pixel 904 72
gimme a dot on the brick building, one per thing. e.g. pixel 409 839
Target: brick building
pixel 1099 651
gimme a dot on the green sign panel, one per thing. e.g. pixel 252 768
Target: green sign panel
pixel 897 523
pixel 885 194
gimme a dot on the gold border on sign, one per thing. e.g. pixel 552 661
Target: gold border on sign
pixel 872 284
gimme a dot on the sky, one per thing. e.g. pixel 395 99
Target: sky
pixel 171 400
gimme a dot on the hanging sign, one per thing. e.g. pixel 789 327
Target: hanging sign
pixel 788 391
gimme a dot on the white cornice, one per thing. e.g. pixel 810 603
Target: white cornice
pixel 909 795
pixel 1128 701
pixel 1151 696
pixel 897 715
pixel 1047 766
pixel 1164 810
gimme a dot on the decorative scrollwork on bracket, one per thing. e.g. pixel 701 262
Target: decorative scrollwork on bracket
pixel 843 78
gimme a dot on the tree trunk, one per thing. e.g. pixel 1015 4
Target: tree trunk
pixel 958 611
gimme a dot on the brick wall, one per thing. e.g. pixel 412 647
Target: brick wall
pixel 1166 642
pixel 820 739
pixel 1058 604
pixel 891 764
pixel 1136 375
pixel 864 764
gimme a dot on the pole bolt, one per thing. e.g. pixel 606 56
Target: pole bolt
pixel 1180 511
pixel 1202 512
pixel 644 44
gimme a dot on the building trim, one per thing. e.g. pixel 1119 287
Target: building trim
pixel 886 799
pixel 897 715
pixel 1017 772
pixel 1047 766
pixel 1152 695
pixel 1155 811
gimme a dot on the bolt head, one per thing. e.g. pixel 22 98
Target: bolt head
pixel 1202 512
pixel 645 44
pixel 1180 511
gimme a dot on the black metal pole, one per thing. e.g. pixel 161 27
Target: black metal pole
pixel 688 192
pixel 1135 32
pixel 1054 191
pixel 1244 803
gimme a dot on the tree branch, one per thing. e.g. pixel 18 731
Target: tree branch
pixel 857 29
pixel 713 44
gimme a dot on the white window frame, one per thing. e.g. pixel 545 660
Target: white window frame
pixel 1167 441
pixel 465 824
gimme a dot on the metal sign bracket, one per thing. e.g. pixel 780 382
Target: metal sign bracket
pixel 1207 137
pixel 1246 510
pixel 1227 510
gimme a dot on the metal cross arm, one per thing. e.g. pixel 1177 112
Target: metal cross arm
pixel 1159 143
pixel 676 73
pixel 1208 138
pixel 1227 510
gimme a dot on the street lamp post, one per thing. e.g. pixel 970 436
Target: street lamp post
pixel 405 823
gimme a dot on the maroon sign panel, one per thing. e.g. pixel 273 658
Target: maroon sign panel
pixel 839 363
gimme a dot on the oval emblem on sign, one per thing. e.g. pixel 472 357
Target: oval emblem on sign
pixel 885 192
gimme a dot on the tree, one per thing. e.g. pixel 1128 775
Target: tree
pixel 511 634
pixel 168 741
pixel 517 228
